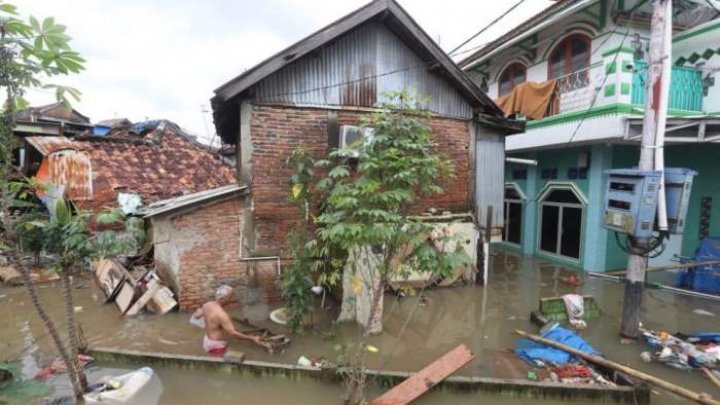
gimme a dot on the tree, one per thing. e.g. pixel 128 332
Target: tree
pixel 365 232
pixel 67 238
pixel 30 53
pixel 368 209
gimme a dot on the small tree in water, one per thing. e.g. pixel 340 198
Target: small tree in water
pixel 369 213
pixel 365 232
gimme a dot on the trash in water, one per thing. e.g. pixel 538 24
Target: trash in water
pixel 571 280
pixel 684 352
pixel 575 307
pixel 703 312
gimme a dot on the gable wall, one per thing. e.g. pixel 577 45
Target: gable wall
pixel 356 70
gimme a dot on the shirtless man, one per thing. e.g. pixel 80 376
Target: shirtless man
pixel 217 323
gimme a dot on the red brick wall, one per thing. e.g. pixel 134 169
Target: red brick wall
pixel 276 131
pixel 208 250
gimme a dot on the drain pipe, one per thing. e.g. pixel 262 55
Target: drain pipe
pixel 255 259
pixel 528 162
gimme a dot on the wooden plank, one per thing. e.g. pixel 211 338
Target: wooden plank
pixel 422 381
pixel 152 288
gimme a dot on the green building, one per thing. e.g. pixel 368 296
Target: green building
pixel 596 52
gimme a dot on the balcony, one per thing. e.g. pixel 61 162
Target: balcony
pixel 686 87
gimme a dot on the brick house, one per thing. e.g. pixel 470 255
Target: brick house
pixel 197 243
pixel 317 90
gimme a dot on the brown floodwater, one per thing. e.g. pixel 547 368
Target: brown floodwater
pixel 416 333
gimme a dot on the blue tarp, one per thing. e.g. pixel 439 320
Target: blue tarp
pixel 534 352
pixel 704 278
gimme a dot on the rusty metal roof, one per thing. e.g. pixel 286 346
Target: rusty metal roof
pixel 72 169
pixel 49 144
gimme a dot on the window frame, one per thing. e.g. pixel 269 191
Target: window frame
pixel 571 79
pixel 510 72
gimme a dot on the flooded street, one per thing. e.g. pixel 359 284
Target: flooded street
pixel 416 333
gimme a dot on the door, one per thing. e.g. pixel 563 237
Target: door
pixel 561 223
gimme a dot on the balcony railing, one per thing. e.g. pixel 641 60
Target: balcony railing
pixel 686 87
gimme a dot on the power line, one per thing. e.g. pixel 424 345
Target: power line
pixel 485 28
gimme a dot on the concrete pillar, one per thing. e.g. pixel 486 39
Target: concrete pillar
pixel 529 221
pixel 595 237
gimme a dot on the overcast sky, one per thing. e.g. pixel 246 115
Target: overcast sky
pixel 163 58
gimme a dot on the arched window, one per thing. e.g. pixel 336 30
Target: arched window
pixel 514 74
pixel 569 62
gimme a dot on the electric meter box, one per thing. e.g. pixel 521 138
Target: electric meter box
pixel 631 198
pixel 678 183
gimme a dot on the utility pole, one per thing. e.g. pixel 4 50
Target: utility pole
pixel 656 104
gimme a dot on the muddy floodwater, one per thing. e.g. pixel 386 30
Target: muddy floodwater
pixel 417 331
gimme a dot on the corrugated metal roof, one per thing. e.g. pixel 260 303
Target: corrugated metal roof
pixel 73 170
pixel 173 204
pixel 49 144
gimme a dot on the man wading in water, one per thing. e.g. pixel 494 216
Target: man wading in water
pixel 217 323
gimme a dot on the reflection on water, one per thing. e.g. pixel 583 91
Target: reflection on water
pixel 482 318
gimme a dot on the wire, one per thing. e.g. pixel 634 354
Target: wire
pixel 485 28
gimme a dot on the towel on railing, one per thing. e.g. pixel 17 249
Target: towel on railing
pixel 531 99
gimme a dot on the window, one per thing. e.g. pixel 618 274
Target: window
pixel 569 62
pixel 513 75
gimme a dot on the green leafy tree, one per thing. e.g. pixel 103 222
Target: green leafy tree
pixel 368 206
pixel 296 280
pixel 367 231
pixel 32 52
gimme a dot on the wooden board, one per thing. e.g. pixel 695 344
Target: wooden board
pixel 162 302
pixel 422 381
pixel 125 297
pixel 152 288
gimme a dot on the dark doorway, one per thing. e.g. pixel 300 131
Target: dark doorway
pixel 561 224
pixel 513 216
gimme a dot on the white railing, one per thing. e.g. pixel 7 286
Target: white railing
pixel 577 89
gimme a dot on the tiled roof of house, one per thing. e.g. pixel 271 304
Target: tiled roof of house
pixel 156 165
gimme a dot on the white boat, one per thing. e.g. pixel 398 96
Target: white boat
pixel 121 389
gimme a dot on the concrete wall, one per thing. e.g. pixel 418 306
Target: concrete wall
pixel 594 238
pixel 704 160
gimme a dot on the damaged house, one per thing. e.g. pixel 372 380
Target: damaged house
pixel 151 161
pixel 314 94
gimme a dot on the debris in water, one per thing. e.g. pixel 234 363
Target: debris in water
pixel 571 280
pixel 703 312
pixel 646 357
pixel 685 352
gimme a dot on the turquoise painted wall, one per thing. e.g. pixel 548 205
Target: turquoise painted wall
pixel 563 160
pixel 705 159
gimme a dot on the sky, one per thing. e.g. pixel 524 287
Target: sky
pixel 152 59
